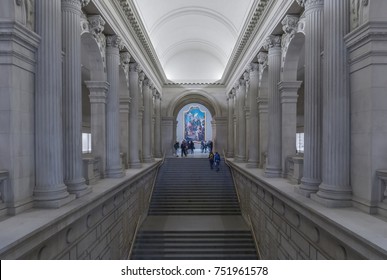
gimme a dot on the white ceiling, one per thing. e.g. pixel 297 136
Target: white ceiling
pixel 193 39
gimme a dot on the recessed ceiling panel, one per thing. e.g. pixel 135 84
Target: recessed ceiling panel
pixel 193 39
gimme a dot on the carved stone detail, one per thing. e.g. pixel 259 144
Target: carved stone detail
pixel 114 41
pixel 124 61
pixel 272 41
pixel 96 26
pixel 359 12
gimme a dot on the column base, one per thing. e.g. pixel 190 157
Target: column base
pixel 239 159
pixel 252 164
pixel 114 173
pixel 307 187
pixel 54 198
pixel 333 196
pixel 273 172
pixel 135 165
pixel 148 160
pixel 78 187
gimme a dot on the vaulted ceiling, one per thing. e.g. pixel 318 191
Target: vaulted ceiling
pixel 193 39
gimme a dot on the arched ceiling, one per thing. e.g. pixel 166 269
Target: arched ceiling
pixel 193 39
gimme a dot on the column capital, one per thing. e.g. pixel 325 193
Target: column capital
pixel 96 24
pixel 135 67
pixel 289 24
pixel 76 3
pixel 98 91
pixel 252 67
pixel 272 41
pixel 310 3
pixel 114 41
pixel 125 58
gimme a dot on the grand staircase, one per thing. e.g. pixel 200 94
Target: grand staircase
pixel 193 214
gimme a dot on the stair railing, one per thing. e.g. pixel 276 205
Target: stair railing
pixel 140 218
pixel 247 214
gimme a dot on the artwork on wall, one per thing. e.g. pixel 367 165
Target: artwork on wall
pixel 194 124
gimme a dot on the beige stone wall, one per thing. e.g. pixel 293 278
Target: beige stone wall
pixel 288 226
pixel 101 227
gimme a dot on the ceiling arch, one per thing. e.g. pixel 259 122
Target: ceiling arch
pixel 193 39
pixel 199 11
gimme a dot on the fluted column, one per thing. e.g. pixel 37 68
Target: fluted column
pixel 335 189
pixel 314 33
pixel 262 107
pixel 50 191
pixel 147 122
pixel 124 107
pixel 253 154
pixel 241 119
pixel 141 78
pixel 98 95
pixel 230 128
pixel 72 98
pixel 273 168
pixel 158 149
pixel 289 95
pixel 134 154
pixel 113 160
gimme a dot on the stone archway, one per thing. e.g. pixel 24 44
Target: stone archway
pixel 169 124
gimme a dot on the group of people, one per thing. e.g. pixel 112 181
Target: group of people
pixel 204 146
pixel 185 147
pixel 214 160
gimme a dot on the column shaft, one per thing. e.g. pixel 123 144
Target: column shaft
pixel 134 155
pixel 289 97
pixel 314 29
pixel 147 123
pixel 158 149
pixel 72 98
pixel 253 152
pixel 241 122
pixel 230 130
pixel 335 189
pixel 113 160
pixel 273 168
pixel 50 191
pixel 98 92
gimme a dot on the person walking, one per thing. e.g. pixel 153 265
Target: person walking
pixel 217 161
pixel 176 146
pixel 211 158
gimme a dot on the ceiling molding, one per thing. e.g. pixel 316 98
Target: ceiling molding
pixel 183 12
pixel 217 52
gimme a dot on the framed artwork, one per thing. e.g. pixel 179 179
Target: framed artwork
pixel 194 124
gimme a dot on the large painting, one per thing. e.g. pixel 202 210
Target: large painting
pixel 194 124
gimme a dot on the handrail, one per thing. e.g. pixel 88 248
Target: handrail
pixel 254 237
pixel 233 179
pixel 154 179
pixel 134 237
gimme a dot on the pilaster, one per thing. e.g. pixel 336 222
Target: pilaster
pixel 241 119
pixel 98 98
pixel 289 98
pixel 147 122
pixel 262 102
pixel 124 107
pixel 230 128
pixel 158 148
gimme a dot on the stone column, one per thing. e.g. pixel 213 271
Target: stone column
pixel 72 98
pixel 141 78
pixel 124 107
pixel 158 149
pixel 230 129
pixel 335 189
pixel 98 93
pixel 113 159
pixel 241 119
pixel 289 97
pixel 314 32
pixel 134 154
pixel 262 108
pixel 273 168
pixel 253 154
pixel 147 122
pixel 50 191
